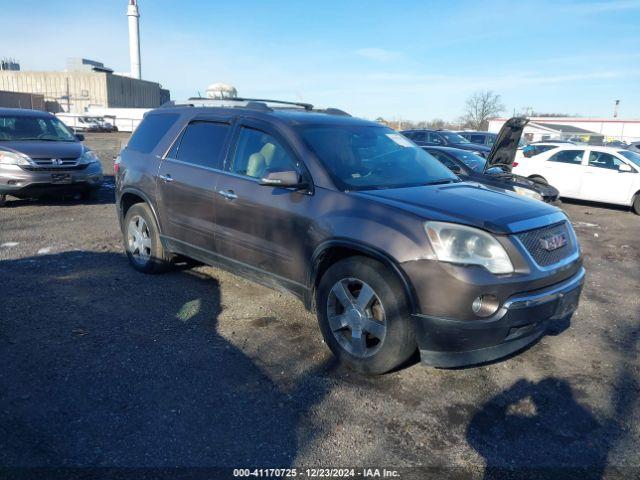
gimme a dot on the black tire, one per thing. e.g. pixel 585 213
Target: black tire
pixel 3 200
pixel 399 340
pixel 636 204
pixel 539 179
pixel 145 252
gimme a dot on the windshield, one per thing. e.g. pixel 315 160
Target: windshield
pixel 454 137
pixel 22 128
pixel 371 157
pixel 471 160
pixel 629 155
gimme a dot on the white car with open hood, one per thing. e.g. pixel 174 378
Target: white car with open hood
pixel 586 172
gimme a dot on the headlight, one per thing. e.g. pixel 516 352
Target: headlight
pixel 88 157
pixel 465 245
pixel 527 192
pixel 13 158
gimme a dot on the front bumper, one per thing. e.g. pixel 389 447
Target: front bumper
pixel 21 183
pixel 519 322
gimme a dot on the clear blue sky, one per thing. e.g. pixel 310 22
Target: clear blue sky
pixel 403 59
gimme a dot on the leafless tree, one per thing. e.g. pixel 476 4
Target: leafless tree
pixel 479 107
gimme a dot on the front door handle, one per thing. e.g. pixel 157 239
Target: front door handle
pixel 228 194
pixel 166 178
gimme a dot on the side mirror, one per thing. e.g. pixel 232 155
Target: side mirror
pixel 282 178
pixel 79 137
pixel 625 168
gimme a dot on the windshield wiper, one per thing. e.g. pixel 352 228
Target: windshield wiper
pixel 443 181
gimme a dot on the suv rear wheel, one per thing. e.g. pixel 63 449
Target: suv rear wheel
pixel 636 204
pixel 142 241
pixel 364 317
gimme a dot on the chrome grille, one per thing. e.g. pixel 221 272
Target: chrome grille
pixel 531 240
pixel 54 164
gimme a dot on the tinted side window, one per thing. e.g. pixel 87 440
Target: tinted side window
pixel 435 138
pixel 150 131
pixel 476 139
pixel 573 157
pixel 604 160
pixel 417 136
pixel 203 144
pixel 258 152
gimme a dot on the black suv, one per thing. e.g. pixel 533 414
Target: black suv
pixel 389 247
pixel 444 138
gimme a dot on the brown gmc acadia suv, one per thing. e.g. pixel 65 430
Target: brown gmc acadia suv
pixel 391 249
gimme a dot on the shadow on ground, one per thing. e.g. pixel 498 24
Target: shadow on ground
pixel 129 370
pixel 541 429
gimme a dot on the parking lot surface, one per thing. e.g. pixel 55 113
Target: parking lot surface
pixel 104 366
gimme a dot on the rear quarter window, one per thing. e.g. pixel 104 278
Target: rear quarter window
pixel 150 131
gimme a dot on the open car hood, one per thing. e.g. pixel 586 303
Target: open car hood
pixel 504 149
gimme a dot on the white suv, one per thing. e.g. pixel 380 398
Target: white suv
pixel 600 174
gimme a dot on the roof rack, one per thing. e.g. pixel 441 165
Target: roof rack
pixel 248 102
pixel 252 103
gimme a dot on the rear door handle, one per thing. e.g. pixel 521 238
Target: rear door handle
pixel 166 178
pixel 228 194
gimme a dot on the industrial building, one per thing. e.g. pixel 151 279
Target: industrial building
pixel 87 83
pixel 591 130
pixel 74 90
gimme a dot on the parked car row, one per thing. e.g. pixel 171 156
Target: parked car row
pixel 494 171
pixel 546 170
pixel 88 123
pixel 444 138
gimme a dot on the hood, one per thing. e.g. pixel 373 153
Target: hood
pixel 543 189
pixel 472 204
pixel 40 149
pixel 504 149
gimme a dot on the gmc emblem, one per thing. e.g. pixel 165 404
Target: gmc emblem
pixel 553 242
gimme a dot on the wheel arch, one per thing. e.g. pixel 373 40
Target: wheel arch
pixel 131 196
pixel 332 251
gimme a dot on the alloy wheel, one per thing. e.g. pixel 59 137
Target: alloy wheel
pixel 139 239
pixel 356 317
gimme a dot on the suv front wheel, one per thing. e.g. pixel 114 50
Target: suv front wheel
pixel 364 317
pixel 142 241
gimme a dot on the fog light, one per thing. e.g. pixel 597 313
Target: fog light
pixel 485 305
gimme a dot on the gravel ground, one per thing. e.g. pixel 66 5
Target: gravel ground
pixel 106 367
